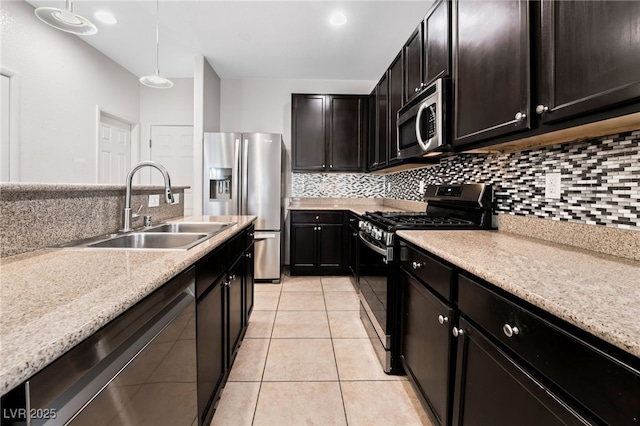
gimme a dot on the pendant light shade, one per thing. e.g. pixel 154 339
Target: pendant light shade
pixel 156 81
pixel 66 20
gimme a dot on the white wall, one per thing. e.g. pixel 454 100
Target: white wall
pixel 62 81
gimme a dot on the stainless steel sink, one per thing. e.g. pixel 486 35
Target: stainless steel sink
pixel 206 228
pixel 168 236
pixel 151 240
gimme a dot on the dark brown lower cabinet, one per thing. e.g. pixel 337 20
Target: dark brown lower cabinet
pixel 235 306
pixel 492 389
pixel 426 344
pixel 318 243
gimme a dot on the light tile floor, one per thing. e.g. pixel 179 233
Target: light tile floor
pixel 306 360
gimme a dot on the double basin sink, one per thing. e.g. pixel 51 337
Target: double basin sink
pixel 170 236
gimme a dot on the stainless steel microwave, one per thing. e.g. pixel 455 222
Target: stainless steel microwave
pixel 422 123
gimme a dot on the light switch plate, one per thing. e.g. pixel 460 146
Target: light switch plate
pixel 154 200
pixel 176 198
pixel 552 185
pixel 421 187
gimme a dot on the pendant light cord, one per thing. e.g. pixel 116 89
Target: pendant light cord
pixel 157 37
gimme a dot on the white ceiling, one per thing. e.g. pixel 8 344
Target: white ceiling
pixel 254 39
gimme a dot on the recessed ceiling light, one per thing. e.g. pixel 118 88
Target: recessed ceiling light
pixel 338 19
pixel 105 17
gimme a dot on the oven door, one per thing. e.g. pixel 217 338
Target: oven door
pixel 420 124
pixel 373 277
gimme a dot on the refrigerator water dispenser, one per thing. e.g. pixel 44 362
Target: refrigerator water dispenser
pixel 220 182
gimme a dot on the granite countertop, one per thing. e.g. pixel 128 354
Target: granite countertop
pixel 358 206
pixel 595 292
pixel 53 299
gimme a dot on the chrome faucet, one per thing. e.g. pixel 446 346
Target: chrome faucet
pixel 128 216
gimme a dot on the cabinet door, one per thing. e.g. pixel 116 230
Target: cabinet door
pixel 492 389
pixel 308 132
pixel 437 34
pixel 490 69
pixel 426 344
pixel 303 248
pixel 331 245
pixel 249 285
pixel 382 122
pixel 372 140
pixel 346 127
pixel 211 347
pixel 234 308
pixel 395 102
pixel 590 56
pixel 412 54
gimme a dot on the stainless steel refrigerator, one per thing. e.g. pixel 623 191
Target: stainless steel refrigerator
pixel 243 175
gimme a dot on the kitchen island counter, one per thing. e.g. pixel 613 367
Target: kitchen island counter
pixel 53 299
pixel 595 292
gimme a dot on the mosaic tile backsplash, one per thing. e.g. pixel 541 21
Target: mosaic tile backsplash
pixel 600 181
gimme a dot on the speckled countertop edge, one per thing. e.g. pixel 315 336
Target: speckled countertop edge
pixel 595 292
pixel 51 300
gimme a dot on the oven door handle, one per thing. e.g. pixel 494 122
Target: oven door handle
pixel 424 145
pixel 372 246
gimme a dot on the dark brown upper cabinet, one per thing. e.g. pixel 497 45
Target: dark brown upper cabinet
pixel 412 58
pixel 491 69
pixel 308 132
pixel 395 102
pixel 427 52
pixel 328 132
pixel 380 140
pixel 590 56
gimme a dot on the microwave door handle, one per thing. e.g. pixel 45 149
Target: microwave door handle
pixel 422 144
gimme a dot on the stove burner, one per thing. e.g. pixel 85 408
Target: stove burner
pixel 416 220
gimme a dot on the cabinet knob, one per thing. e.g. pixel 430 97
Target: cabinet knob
pixel 442 319
pixel 354 234
pixel 540 109
pixel 323 166
pixel 417 265
pixel 331 166
pixel 417 89
pixel 248 255
pixel 520 116
pixel 510 331
pixel 457 331
pixel 422 85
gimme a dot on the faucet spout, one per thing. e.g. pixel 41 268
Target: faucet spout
pixel 129 183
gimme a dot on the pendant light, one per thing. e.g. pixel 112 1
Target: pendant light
pixel 66 20
pixel 156 81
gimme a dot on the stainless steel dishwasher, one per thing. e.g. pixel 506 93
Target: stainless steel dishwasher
pixel 140 369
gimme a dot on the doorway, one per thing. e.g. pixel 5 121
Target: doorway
pixel 172 146
pixel 114 149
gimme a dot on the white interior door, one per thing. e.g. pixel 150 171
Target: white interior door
pixel 172 146
pixel 5 103
pixel 114 150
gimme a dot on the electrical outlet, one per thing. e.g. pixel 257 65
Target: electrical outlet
pixel 421 187
pixel 388 186
pixel 154 200
pixel 552 185
pixel 176 198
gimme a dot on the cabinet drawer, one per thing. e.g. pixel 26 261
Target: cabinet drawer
pixel 317 217
pixel 435 274
pixel 606 386
pixel 209 269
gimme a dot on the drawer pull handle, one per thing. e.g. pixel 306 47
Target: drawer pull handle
pixel 457 331
pixel 417 265
pixel 510 331
pixel 442 319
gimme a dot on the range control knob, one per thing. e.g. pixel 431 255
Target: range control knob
pixel 368 227
pixel 361 224
pixel 376 233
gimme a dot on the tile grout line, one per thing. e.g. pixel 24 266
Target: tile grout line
pixel 335 358
pixel 255 409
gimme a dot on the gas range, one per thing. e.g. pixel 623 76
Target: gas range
pixel 464 206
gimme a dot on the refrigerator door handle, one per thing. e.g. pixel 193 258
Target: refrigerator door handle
pixel 259 236
pixel 245 180
pixel 237 176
